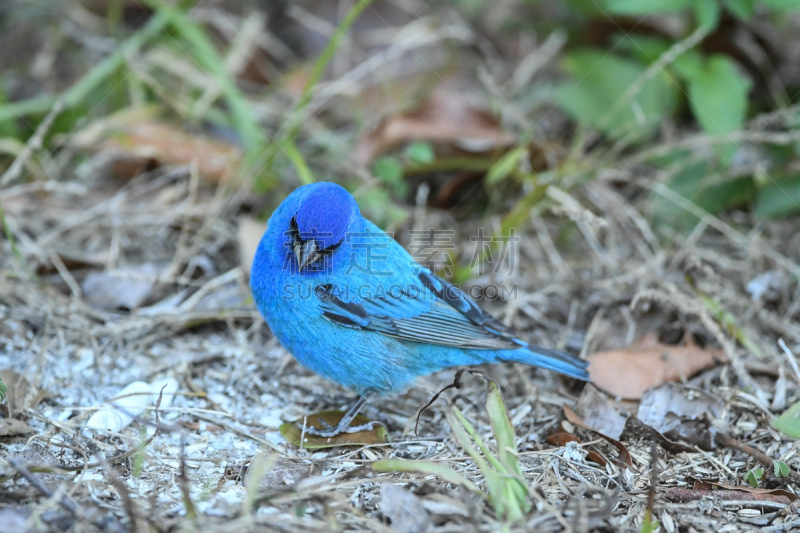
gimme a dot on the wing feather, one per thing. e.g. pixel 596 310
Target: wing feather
pixel 435 312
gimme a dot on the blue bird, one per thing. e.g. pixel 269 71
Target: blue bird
pixel 348 302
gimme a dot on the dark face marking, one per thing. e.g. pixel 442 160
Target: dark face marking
pixel 307 250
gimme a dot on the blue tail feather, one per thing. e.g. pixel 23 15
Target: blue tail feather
pixel 561 362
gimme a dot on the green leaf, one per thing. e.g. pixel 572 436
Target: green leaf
pixel 645 7
pixel 601 80
pixel 3 390
pixel 779 197
pixel 742 9
pixel 782 5
pixel 753 477
pixel 781 469
pixel 388 169
pixel 718 97
pixel 788 422
pixel 425 467
pixel 707 13
pixel 420 153
pixel 699 183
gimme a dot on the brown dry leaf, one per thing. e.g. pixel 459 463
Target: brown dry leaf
pixel 10 427
pixel 710 484
pixel 135 141
pixel 249 235
pixel 597 412
pixel 629 372
pixel 624 455
pixel 292 431
pixel 705 490
pixel 443 118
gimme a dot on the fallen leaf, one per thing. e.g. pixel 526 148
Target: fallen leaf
pixel 689 495
pixel 404 510
pixel 681 413
pixel 292 431
pixel 10 427
pixel 442 118
pixel 123 288
pixel 597 412
pixel 629 372
pixel 134 141
pixel 249 235
pixel 624 455
pixel 710 484
pixel 636 429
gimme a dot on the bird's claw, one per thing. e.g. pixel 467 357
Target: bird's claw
pixel 331 431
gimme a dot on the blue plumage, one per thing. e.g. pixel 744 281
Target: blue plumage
pixel 350 303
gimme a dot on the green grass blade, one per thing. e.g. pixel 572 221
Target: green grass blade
pixel 425 467
pixel 202 49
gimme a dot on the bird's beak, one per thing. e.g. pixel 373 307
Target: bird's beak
pixel 306 253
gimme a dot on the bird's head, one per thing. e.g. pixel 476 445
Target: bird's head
pixel 310 226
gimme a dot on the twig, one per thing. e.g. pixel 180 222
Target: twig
pixel 790 357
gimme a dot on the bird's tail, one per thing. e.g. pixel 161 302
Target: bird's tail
pixel 564 363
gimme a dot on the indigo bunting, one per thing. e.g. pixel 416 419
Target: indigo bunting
pixel 348 302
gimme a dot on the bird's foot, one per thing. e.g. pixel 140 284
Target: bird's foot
pixel 331 431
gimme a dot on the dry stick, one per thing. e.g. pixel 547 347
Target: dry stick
pixel 183 482
pixel 34 143
pixel 790 357
pixel 124 494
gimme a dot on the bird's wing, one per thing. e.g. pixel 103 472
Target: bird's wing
pixel 430 311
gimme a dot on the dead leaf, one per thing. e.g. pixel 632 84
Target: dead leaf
pixel 249 235
pixel 404 510
pixel 442 118
pixel 597 412
pixel 624 455
pixel 11 427
pixel 292 431
pixel 123 288
pixel 636 429
pixel 681 414
pixel 710 484
pixel 739 494
pixel 629 372
pixel 134 141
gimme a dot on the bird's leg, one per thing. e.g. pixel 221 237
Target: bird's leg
pixel 344 424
